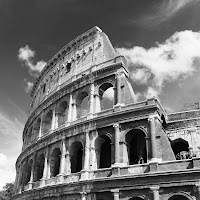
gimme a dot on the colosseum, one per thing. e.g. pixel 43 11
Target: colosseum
pixel 87 138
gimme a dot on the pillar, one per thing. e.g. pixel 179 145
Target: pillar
pixel 198 189
pixel 87 151
pixel 92 98
pixel 118 80
pixel 63 158
pixel 68 163
pixel 97 102
pixel 69 119
pixel 151 119
pixel 117 138
pixel 53 120
pixel 83 195
pixel 155 191
pixel 40 130
pixel 115 194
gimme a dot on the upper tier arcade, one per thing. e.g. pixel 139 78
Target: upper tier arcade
pixel 89 52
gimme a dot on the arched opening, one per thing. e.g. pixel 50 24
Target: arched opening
pixel 103 151
pixel 106 93
pixel 55 162
pixel 178 197
pixel 76 157
pixel 136 198
pixel 28 171
pixel 180 148
pixel 62 113
pixel 37 128
pixel 82 104
pixel 39 168
pixel 47 122
pixel 136 146
pixel 30 135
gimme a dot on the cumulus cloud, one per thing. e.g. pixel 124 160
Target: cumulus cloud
pixel 26 55
pixel 163 11
pixel 172 60
pixel 29 86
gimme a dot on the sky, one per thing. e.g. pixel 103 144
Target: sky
pixel 160 38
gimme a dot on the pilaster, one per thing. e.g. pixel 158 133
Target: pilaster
pixel 155 191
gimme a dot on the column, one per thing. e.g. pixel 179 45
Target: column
pixel 115 194
pixel 87 151
pixel 83 195
pixel 155 191
pixel 53 120
pixel 68 163
pixel 151 119
pixel 198 189
pixel 40 130
pixel 92 98
pixel 69 119
pixel 63 158
pixel 117 138
pixel 118 79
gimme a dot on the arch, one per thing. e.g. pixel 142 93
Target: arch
pixel 30 135
pixel 136 198
pixel 28 171
pixel 37 127
pixel 82 104
pixel 55 162
pixel 39 167
pixel 76 156
pixel 179 196
pixel 106 93
pixel 103 151
pixel 47 122
pixel 180 148
pixel 63 113
pixel 136 146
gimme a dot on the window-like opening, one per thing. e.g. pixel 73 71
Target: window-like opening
pixel 62 113
pixel 44 88
pixel 180 149
pixel 136 147
pixel 30 135
pixel 37 128
pixel 55 162
pixel 47 122
pixel 106 93
pixel 76 157
pixel 103 151
pixel 68 67
pixel 178 197
pixel 28 171
pixel 82 104
pixel 39 168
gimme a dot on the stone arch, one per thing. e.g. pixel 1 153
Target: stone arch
pixel 28 171
pixel 55 162
pixel 82 104
pixel 106 94
pixel 39 167
pixel 47 122
pixel 179 196
pixel 103 151
pixel 136 146
pixel 180 148
pixel 63 113
pixel 37 128
pixel 136 196
pixel 76 156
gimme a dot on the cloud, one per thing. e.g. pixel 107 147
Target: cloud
pixel 26 55
pixel 162 12
pixel 175 59
pixel 7 170
pixel 29 86
pixel 109 93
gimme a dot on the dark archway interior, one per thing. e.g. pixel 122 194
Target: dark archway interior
pixel 179 145
pixel 178 197
pixel 105 152
pixel 107 96
pixel 136 146
pixel 39 168
pixel 47 121
pixel 28 172
pixel 136 198
pixel 62 113
pixel 76 157
pixel 55 162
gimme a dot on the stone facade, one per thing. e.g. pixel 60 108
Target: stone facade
pixel 75 147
